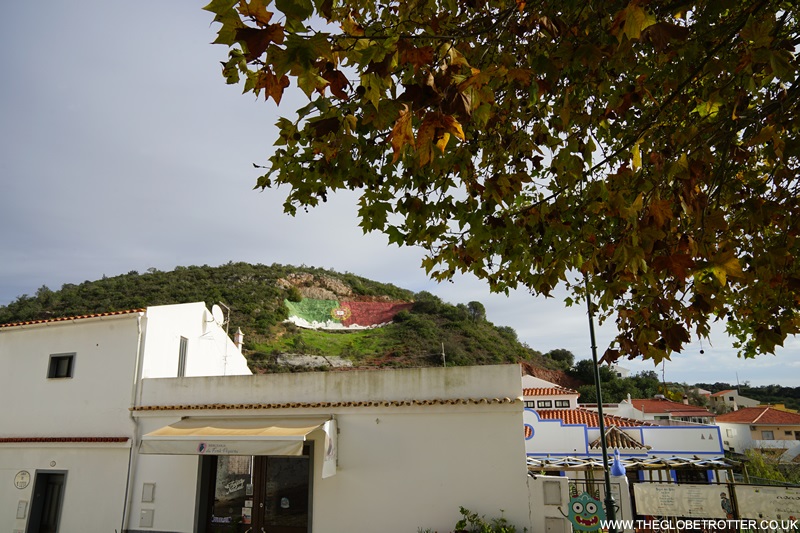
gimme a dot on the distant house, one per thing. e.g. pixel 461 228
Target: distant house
pixel 540 394
pixel 619 371
pixel 764 428
pixel 570 436
pixel 730 400
pixel 662 411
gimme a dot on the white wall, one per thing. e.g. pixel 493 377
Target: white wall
pixel 400 467
pixel 210 351
pixel 554 437
pixel 740 440
pixel 95 483
pixel 94 402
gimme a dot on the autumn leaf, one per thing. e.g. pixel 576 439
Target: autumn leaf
pixel 679 265
pixel 337 83
pixel 631 21
pixel 426 137
pixel 419 57
pixel 451 125
pixel 402 134
pixel 660 211
pixel 272 85
pixel 256 10
pixel 257 40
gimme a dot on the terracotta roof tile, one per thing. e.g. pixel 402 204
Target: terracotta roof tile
pixel 760 415
pixel 71 318
pixel 328 405
pixel 616 438
pixel 667 406
pixel 723 392
pixel 588 418
pixel 548 391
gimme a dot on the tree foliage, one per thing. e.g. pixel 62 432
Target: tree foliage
pixel 648 147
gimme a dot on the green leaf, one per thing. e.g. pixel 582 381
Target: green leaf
pixel 295 9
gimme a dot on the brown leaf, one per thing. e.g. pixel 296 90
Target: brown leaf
pixel 327 9
pixel 661 33
pixel 272 85
pixel 675 337
pixel 256 41
pixel 337 82
pixel 426 136
pixel 660 211
pixel 677 264
pixel 325 126
pixel 417 56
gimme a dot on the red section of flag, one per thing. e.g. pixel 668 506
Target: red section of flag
pixel 372 313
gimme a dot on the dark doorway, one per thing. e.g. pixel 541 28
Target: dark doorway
pixel 263 494
pixel 48 496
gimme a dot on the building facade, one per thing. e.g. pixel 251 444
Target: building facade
pixel 67 431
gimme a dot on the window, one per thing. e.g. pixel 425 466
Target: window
pixel 729 432
pixel 182 357
pixel 530 403
pixel 562 403
pixel 544 404
pixel 767 435
pixel 787 433
pixel 61 365
pixel 730 398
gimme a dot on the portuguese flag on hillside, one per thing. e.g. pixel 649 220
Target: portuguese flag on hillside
pixel 335 314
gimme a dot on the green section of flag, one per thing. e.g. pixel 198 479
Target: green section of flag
pixel 312 310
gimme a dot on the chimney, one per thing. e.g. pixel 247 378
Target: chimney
pixel 238 339
pixel 685 400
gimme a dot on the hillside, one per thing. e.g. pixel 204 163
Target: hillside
pixel 422 326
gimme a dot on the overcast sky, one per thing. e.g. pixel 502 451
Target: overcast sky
pixel 123 149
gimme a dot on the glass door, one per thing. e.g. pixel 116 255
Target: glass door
pixel 263 494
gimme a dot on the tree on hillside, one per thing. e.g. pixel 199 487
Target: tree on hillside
pixel 647 149
pixel 564 358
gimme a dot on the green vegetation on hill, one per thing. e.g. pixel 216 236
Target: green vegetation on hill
pixel 256 294
pixel 251 291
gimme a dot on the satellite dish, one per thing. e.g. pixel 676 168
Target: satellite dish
pixel 216 312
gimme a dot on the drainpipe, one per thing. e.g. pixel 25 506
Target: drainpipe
pixel 135 400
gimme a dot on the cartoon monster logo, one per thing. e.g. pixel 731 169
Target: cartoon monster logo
pixel 585 512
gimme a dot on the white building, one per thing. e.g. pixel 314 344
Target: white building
pixel 761 428
pixel 67 430
pixel 573 434
pixel 100 434
pixel 360 451
pixel 730 400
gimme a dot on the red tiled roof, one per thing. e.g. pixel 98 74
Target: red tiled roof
pixel 760 415
pixel 588 418
pixel 616 438
pixel 667 406
pixel 548 391
pixel 71 318
pixel 8 440
pixel 723 392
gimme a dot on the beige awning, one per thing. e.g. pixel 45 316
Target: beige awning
pixel 232 436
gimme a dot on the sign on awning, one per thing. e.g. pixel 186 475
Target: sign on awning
pixel 235 436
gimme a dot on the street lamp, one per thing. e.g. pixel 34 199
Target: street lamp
pixel 611 512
